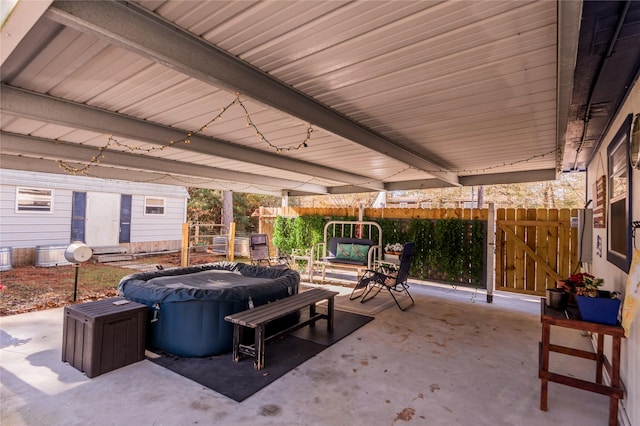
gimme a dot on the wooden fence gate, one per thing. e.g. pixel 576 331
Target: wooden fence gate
pixel 534 249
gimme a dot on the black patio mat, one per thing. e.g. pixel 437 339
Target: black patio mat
pixel 240 380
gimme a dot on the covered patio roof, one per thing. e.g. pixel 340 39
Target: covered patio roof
pixel 313 97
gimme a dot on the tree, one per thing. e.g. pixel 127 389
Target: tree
pixel 244 205
pixel 204 206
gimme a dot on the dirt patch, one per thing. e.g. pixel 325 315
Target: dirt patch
pixel 30 288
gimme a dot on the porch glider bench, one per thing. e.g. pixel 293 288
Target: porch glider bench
pixel 259 317
pixel 347 245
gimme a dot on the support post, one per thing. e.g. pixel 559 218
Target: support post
pixel 490 266
pixel 285 203
pixel 75 283
pixel 184 250
pixel 232 239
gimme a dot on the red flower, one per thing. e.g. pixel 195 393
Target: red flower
pixel 575 283
pixel 578 279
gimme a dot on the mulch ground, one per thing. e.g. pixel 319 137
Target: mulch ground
pixel 30 288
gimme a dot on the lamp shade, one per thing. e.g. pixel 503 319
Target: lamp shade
pixel 78 253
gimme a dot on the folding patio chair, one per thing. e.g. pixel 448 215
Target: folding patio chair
pixel 372 282
pixel 259 252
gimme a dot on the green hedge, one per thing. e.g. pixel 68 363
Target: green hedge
pixel 448 250
pixel 298 235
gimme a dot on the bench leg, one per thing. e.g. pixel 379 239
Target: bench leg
pixel 330 305
pixel 259 347
pixel 237 338
pixel 312 313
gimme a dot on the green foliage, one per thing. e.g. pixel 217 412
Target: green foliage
pixel 244 205
pixel 298 234
pixel 457 251
pixel 307 231
pixel 449 250
pixel 449 247
pixel 476 250
pixel 282 233
pixel 393 231
pixel 204 206
pixel 421 233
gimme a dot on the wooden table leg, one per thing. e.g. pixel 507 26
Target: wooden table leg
pixel 599 358
pixel 615 379
pixel 544 367
pixel 259 347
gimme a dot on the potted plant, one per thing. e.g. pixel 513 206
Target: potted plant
pixel 595 305
pixel 576 284
pixel 392 252
pixel 395 248
pixel 557 298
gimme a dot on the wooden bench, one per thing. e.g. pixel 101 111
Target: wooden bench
pixel 259 317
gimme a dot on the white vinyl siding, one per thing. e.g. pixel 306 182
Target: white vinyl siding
pixel 165 227
pixel 27 229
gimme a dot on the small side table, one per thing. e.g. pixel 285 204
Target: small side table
pixel 571 319
pixel 104 335
pixel 307 259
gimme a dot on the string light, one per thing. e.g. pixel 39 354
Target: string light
pixel 278 149
pixel 484 169
pixel 249 187
pixel 219 183
pixel 507 164
pixel 262 138
pixel 112 141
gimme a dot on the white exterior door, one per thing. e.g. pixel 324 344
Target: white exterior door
pixel 103 219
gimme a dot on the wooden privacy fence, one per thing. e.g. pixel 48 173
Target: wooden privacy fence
pixel 267 215
pixel 534 248
pixel 452 251
pixel 394 213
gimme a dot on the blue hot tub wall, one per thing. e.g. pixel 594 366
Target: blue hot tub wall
pixel 190 321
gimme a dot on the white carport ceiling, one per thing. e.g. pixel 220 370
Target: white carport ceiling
pixel 400 95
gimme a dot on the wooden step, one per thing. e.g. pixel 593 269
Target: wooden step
pixel 104 258
pixel 109 250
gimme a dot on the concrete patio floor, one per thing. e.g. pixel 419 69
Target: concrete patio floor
pixel 451 359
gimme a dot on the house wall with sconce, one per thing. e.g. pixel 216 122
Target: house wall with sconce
pixel 613 179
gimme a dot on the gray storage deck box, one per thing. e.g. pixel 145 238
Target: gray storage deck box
pixel 104 335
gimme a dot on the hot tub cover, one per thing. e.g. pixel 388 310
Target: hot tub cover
pixel 221 281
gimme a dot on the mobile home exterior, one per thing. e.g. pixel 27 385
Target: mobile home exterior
pixel 613 185
pixel 44 209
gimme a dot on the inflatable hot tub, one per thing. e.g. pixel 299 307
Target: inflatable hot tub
pixel 188 305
